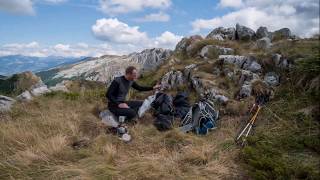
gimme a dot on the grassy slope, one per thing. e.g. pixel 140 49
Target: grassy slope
pixel 37 137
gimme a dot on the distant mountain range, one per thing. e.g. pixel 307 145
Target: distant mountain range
pixel 104 68
pixel 17 63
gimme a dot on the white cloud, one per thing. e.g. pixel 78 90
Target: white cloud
pixel 124 6
pixel 230 3
pixel 301 17
pixel 115 31
pixel 17 6
pixel 154 17
pixel 167 40
pixel 121 34
pixel 55 1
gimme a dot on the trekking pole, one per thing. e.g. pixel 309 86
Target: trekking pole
pixel 248 127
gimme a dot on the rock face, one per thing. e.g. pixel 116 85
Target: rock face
pixel 209 51
pixel 222 33
pixel 6 103
pixel 244 33
pixel 264 43
pixel 243 62
pixel 105 68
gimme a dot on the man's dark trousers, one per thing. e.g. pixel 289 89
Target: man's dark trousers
pixel 130 112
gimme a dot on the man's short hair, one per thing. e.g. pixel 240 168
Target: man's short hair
pixel 130 69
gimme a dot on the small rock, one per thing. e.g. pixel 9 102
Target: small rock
pixel 245 90
pixel 39 89
pixel 25 96
pixel 264 43
pixel 59 87
pixel 210 50
pixel 272 79
pixel 6 103
pixel 254 67
pixel 222 99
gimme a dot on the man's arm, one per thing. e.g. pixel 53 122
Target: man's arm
pixel 141 88
pixel 113 88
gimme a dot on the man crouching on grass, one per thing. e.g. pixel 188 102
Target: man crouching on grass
pixel 118 91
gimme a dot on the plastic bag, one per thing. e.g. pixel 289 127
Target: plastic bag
pixel 146 105
pixel 108 118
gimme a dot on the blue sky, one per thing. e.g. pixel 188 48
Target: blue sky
pixel 65 27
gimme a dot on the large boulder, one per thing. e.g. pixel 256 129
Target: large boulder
pixel 186 42
pixel 6 103
pixel 210 51
pixel 264 43
pixel 262 32
pixel 283 33
pixel 244 33
pixel 222 33
pixel 192 47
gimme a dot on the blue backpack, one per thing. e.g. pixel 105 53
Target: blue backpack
pixel 201 118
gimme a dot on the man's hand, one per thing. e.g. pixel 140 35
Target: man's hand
pixel 123 105
pixel 157 87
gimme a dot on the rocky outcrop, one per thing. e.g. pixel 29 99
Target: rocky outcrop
pixel 209 51
pixel 150 58
pixel 222 33
pixel 6 103
pixel 187 43
pixel 172 79
pixel 242 62
pixel 244 33
pixel 284 33
pixel 191 48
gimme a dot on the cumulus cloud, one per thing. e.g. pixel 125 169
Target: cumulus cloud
pixel 115 31
pixel 167 40
pixel 119 33
pixel 230 3
pixel 154 17
pixel 301 17
pixel 112 7
pixel 17 6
